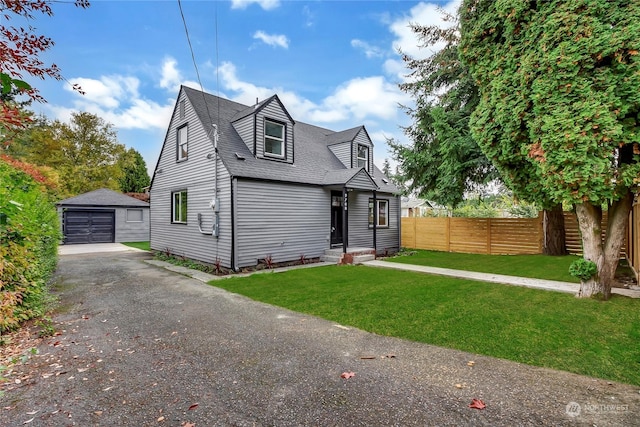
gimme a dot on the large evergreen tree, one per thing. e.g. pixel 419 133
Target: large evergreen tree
pixel 134 177
pixel 559 110
pixel 443 161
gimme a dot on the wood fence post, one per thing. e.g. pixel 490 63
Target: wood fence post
pixel 489 236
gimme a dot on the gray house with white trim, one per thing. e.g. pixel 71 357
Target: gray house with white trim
pixel 236 184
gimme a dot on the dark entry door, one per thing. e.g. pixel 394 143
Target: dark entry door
pixel 336 217
pixel 89 226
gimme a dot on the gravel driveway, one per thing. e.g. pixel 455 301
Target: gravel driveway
pixel 141 346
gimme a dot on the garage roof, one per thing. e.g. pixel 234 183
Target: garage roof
pixel 103 197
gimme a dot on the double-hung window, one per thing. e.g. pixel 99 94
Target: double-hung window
pixel 382 209
pixel 274 139
pixel 363 157
pixel 183 142
pixel 179 207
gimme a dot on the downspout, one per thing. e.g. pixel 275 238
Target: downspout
pixel 375 221
pixel 233 226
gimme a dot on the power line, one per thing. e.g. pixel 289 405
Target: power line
pixel 195 65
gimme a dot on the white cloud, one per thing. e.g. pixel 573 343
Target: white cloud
pixel 424 14
pixel 362 99
pixel 265 4
pixel 274 40
pixel 108 91
pixel 171 78
pixel 369 50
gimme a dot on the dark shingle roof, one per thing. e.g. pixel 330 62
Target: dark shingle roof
pixel 313 161
pixel 103 197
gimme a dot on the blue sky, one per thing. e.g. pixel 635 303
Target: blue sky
pixel 332 63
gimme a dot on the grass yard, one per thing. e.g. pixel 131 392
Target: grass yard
pixel 140 245
pixel 536 327
pixel 535 266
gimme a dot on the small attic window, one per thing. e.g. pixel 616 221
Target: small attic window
pixel 273 139
pixel 363 157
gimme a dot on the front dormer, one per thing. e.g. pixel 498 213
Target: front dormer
pixel 353 148
pixel 267 130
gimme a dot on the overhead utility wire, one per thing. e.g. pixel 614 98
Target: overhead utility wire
pixel 193 57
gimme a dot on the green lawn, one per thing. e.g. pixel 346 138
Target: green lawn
pixel 536 327
pixel 535 266
pixel 140 245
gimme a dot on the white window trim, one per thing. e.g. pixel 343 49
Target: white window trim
pixel 173 207
pixel 180 143
pixel 365 159
pixel 281 140
pixel 377 209
pixel 141 215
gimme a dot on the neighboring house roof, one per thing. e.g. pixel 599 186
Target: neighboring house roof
pixel 103 197
pixel 413 203
pixel 314 163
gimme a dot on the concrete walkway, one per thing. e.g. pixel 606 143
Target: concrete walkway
pixel 547 285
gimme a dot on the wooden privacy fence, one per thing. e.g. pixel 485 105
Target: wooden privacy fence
pixel 474 235
pixel 509 236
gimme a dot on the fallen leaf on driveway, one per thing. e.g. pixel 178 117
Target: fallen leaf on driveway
pixel 194 406
pixel 28 421
pixel 187 424
pixel 471 363
pixel 161 419
pixel 348 375
pixel 477 404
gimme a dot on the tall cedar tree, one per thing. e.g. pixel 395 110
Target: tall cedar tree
pixel 559 111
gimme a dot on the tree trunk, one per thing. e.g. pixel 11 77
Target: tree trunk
pixel 604 255
pixel 554 232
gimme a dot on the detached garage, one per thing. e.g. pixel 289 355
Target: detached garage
pixel 103 216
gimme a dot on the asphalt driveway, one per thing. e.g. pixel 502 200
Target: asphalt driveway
pixel 142 346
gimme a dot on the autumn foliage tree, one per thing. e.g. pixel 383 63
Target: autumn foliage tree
pixel 559 110
pixel 20 48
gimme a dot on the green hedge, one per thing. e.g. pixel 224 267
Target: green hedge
pixel 29 236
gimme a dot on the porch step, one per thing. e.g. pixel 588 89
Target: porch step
pixel 352 256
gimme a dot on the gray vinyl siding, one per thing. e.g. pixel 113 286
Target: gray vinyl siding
pixel 132 231
pixel 362 139
pixel 361 235
pixel 281 220
pixel 244 127
pixel 362 181
pixel 274 111
pixel 343 152
pixel 196 176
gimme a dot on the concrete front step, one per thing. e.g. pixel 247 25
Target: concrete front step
pixel 352 256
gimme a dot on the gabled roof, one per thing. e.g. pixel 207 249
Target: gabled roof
pixel 259 106
pixel 343 136
pixel 101 198
pixel 351 178
pixel 313 160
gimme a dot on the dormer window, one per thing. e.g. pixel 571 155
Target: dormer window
pixel 363 157
pixel 273 139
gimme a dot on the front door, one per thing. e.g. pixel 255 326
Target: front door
pixel 336 218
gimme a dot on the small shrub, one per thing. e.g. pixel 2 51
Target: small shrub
pixel 583 269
